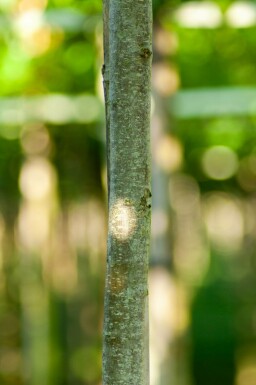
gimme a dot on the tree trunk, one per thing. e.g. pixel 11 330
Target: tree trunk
pixel 127 74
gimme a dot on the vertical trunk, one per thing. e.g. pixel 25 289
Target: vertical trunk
pixel 127 73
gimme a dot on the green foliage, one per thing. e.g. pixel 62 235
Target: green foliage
pixel 86 363
pixel 74 151
pixel 10 164
pixel 216 57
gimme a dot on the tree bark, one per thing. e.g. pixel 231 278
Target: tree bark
pixel 127 85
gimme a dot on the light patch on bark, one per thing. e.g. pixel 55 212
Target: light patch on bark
pixel 122 219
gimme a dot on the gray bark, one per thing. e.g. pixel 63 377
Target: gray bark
pixel 127 85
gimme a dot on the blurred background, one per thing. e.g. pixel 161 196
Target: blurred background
pixel 53 193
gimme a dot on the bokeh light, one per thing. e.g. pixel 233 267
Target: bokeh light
pixel 220 162
pixel 241 14
pixel 224 221
pixel 198 14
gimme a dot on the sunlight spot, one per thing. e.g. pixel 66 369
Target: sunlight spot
pixel 165 79
pixel 220 162
pixel 87 108
pixel 36 179
pixel 37 184
pixel 122 220
pixel 166 42
pixel 99 87
pixel 168 319
pixel 38 43
pixel 29 22
pixel 33 226
pixel 224 221
pixel 199 14
pixel 169 153
pixel 56 108
pixel 241 14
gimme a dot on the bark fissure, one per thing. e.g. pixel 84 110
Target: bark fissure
pixel 127 78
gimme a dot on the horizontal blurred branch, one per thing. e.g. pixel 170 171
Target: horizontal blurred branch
pixel 51 108
pixel 210 102
pixel 86 108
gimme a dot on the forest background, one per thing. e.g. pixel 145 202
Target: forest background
pixel 53 193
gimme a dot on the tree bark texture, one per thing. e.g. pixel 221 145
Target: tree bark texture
pixel 127 86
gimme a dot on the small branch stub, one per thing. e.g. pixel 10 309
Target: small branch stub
pixel 145 53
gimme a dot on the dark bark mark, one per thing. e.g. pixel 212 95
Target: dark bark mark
pixel 145 53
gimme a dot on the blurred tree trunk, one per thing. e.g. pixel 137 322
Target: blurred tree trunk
pixel 127 85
